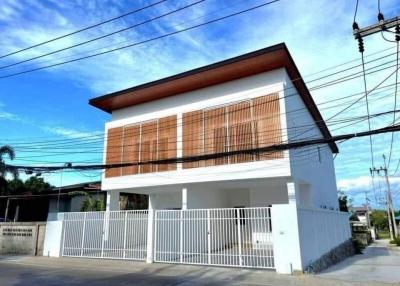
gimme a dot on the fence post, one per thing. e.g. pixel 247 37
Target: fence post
pixel 208 237
pixel 239 236
pixel 150 236
pixel 63 227
pixel 181 237
pixel 83 233
pixel 125 225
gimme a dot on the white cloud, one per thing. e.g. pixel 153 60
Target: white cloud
pixel 71 133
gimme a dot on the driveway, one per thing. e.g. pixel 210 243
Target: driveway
pixel 379 262
pixel 43 271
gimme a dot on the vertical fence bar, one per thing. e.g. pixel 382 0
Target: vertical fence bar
pixel 63 240
pixel 239 233
pixel 83 233
pixel 208 237
pixel 125 225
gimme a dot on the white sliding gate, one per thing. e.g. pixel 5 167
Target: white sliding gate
pixel 229 237
pixel 113 235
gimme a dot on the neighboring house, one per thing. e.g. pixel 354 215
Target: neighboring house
pixel 36 207
pixel 362 213
pixel 270 210
pixel 73 196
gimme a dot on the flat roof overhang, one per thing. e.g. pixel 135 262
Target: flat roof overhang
pixel 256 62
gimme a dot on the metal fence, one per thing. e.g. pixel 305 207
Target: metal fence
pixel 113 235
pixel 228 237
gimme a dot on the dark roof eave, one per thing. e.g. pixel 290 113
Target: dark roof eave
pixel 287 63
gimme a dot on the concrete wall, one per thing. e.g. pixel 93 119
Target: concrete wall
pixel 229 92
pixel 320 232
pixel 312 167
pixel 22 238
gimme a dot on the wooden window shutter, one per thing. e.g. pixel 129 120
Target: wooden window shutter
pixel 240 131
pixel 130 152
pixel 215 135
pixel 192 136
pixel 113 151
pixel 167 142
pixel 268 125
pixel 148 144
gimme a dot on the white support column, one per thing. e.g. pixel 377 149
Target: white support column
pixel 150 230
pixel 285 232
pixel 184 198
pixel 179 141
pixel 112 201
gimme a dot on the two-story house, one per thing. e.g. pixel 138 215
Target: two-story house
pixel 275 209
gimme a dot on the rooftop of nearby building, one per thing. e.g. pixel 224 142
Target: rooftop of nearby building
pixel 91 187
pixel 267 59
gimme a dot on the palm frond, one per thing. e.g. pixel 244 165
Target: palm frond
pixel 7 150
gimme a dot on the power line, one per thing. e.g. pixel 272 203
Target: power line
pixel 94 136
pixel 395 104
pixel 84 29
pixel 104 36
pixel 271 148
pixel 144 41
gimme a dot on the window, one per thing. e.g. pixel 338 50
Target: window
pixel 246 125
pixel 141 142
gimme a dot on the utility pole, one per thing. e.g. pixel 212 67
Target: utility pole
pixel 389 201
pixel 367 214
pixel 381 26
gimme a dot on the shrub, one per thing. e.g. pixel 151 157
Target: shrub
pixel 358 246
pixel 395 241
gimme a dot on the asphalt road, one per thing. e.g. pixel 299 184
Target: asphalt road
pixel 45 271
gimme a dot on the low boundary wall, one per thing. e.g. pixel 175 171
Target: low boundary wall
pixel 22 238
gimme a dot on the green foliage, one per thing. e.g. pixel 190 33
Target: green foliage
pixel 379 219
pixel 358 246
pixel 33 185
pixel 4 168
pixel 36 185
pixel 396 241
pixel 344 202
pixel 90 204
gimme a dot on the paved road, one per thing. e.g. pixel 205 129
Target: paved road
pixel 378 263
pixel 43 271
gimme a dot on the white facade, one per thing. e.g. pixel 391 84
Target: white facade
pixel 303 178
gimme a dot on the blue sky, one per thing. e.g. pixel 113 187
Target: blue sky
pixel 52 104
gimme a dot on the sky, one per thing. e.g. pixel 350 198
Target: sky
pixel 43 113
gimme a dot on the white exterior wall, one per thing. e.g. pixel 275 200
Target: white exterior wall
pixel 222 94
pixel 312 170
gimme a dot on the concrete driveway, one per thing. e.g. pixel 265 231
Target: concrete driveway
pixel 379 263
pixel 43 271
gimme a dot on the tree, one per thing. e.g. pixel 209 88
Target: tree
pixel 36 185
pixel 4 168
pixel 344 202
pixel 90 204
pixel 379 219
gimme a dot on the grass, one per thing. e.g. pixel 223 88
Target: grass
pixel 384 234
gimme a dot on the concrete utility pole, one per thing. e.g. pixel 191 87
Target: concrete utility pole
pixel 389 202
pixel 367 205
pixel 382 25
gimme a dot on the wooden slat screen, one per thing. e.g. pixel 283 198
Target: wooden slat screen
pixel 113 152
pixel 215 135
pixel 240 126
pixel 148 147
pixel 192 136
pixel 268 125
pixel 167 142
pixel 130 152
pixel 240 131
